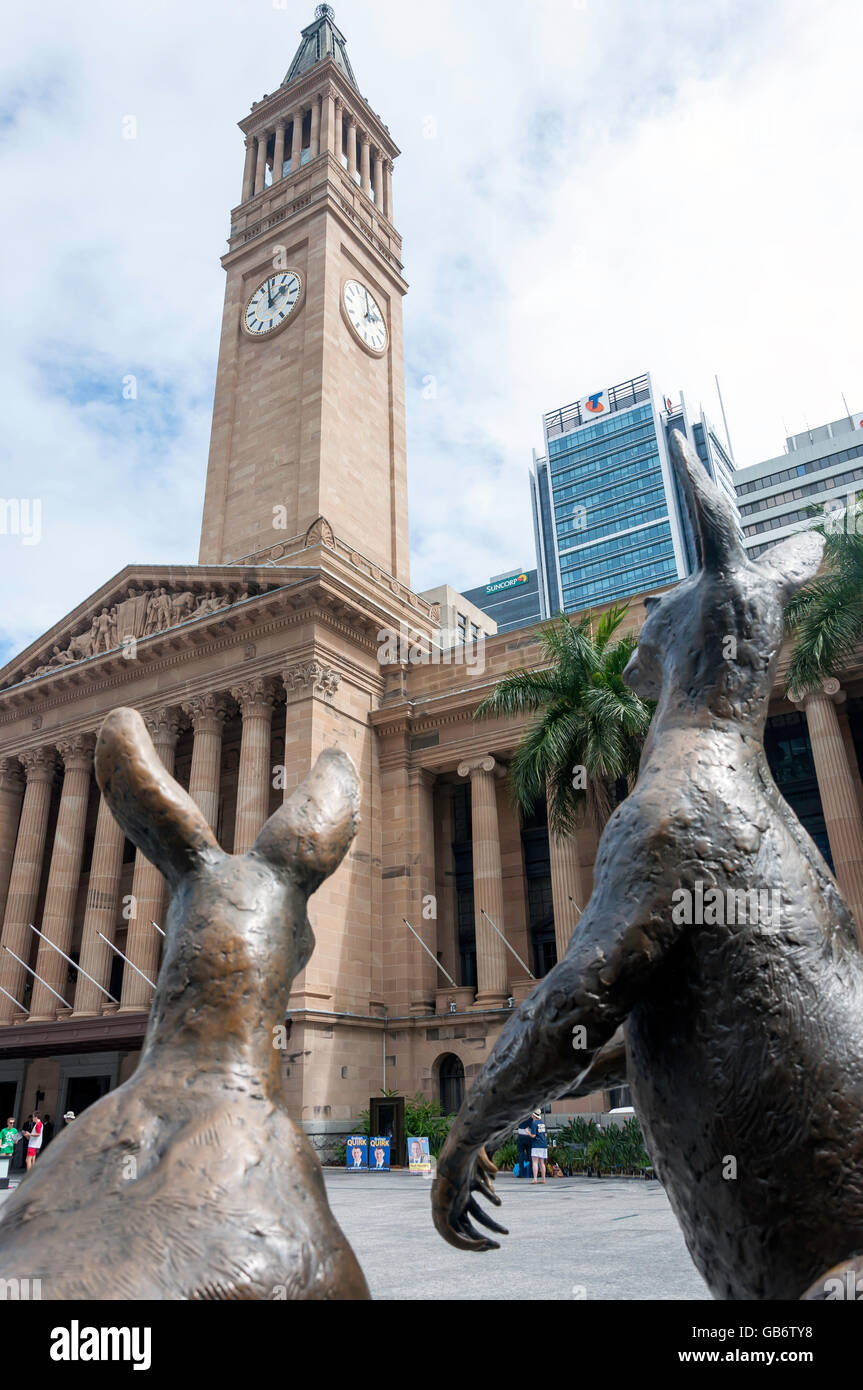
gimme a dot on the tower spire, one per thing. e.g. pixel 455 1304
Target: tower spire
pixel 321 39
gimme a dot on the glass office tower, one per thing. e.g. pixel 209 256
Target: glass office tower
pixel 608 516
pixel 786 494
pixel 512 599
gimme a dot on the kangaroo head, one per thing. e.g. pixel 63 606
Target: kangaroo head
pixel 708 648
pixel 237 930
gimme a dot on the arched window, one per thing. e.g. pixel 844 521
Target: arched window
pixel 451 1080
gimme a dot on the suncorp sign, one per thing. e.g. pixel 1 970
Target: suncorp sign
pixel 506 583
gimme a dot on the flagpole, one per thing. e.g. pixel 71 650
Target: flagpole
pixel 119 953
pixel 56 948
pixel 429 953
pixel 507 944
pixel 37 977
pixel 14 1000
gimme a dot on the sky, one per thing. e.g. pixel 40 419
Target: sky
pixel 587 189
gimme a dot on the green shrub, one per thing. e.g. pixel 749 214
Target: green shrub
pixel 578 1131
pixel 618 1148
pixel 506 1156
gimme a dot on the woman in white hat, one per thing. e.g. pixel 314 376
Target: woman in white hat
pixel 538 1144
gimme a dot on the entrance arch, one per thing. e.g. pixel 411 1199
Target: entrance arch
pixel 450 1082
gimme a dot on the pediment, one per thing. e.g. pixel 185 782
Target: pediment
pixel 138 603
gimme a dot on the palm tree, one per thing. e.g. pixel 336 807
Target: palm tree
pixel 586 719
pixel 826 615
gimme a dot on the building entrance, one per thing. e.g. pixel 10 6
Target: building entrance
pixel 82 1091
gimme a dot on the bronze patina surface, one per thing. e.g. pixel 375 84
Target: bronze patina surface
pixel 190 1181
pixel 744 1038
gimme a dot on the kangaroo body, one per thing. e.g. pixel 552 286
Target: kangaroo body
pixel 744 1056
pixel 190 1181
pixel 717 934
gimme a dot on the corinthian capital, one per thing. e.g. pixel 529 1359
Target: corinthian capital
pixel 163 725
pixel 39 764
pixel 207 712
pixel 77 751
pixel 311 677
pixel 255 696
pixel 10 775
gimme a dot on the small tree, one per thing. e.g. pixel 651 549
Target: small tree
pixel 826 615
pixel 589 729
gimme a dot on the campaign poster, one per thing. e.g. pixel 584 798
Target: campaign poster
pixel 419 1158
pixel 358 1153
pixel 379 1155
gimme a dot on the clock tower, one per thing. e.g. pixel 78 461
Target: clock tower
pixel 308 418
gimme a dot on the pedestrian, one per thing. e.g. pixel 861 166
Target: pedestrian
pixel 523 1140
pixel 68 1118
pixel 538 1145
pixel 21 1149
pixel 34 1139
pixel 47 1130
pixel 9 1137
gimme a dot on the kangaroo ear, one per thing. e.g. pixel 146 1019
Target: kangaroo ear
pixel 311 833
pixel 712 512
pixel 794 561
pixel 157 815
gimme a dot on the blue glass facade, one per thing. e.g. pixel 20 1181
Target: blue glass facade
pixel 614 533
pixel 609 518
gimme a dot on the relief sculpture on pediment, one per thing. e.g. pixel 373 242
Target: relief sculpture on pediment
pixel 142 613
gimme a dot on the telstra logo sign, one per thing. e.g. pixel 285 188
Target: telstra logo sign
pixel 597 404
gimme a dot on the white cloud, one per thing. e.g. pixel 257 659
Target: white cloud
pixel 609 188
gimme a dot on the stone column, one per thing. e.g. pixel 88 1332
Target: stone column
pixel 447 928
pixel 851 754
pixel 838 794
pixel 64 877
pixel 566 883
pixel 11 796
pixel 491 954
pixel 249 169
pixel 279 151
pixel 207 713
pixel 255 698
pixel 352 144
pixel 297 141
pixel 261 167
pixel 39 766
pixel 388 190
pixel 339 135
pixel 149 889
pixel 422 901
pixel 100 912
pixel 315 137
pixel 379 180
pixel 365 165
pixel 328 122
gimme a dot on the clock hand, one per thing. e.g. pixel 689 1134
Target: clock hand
pixel 269 294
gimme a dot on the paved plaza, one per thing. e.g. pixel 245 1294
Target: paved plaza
pixel 607 1238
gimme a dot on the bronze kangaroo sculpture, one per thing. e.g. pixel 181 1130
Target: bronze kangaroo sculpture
pixel 190 1181
pixel 744 1040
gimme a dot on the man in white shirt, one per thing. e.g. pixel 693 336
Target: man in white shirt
pixel 34 1140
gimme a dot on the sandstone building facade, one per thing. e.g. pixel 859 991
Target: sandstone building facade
pixel 247 664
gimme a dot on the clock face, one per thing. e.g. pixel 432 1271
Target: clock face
pixel 272 304
pixel 364 315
